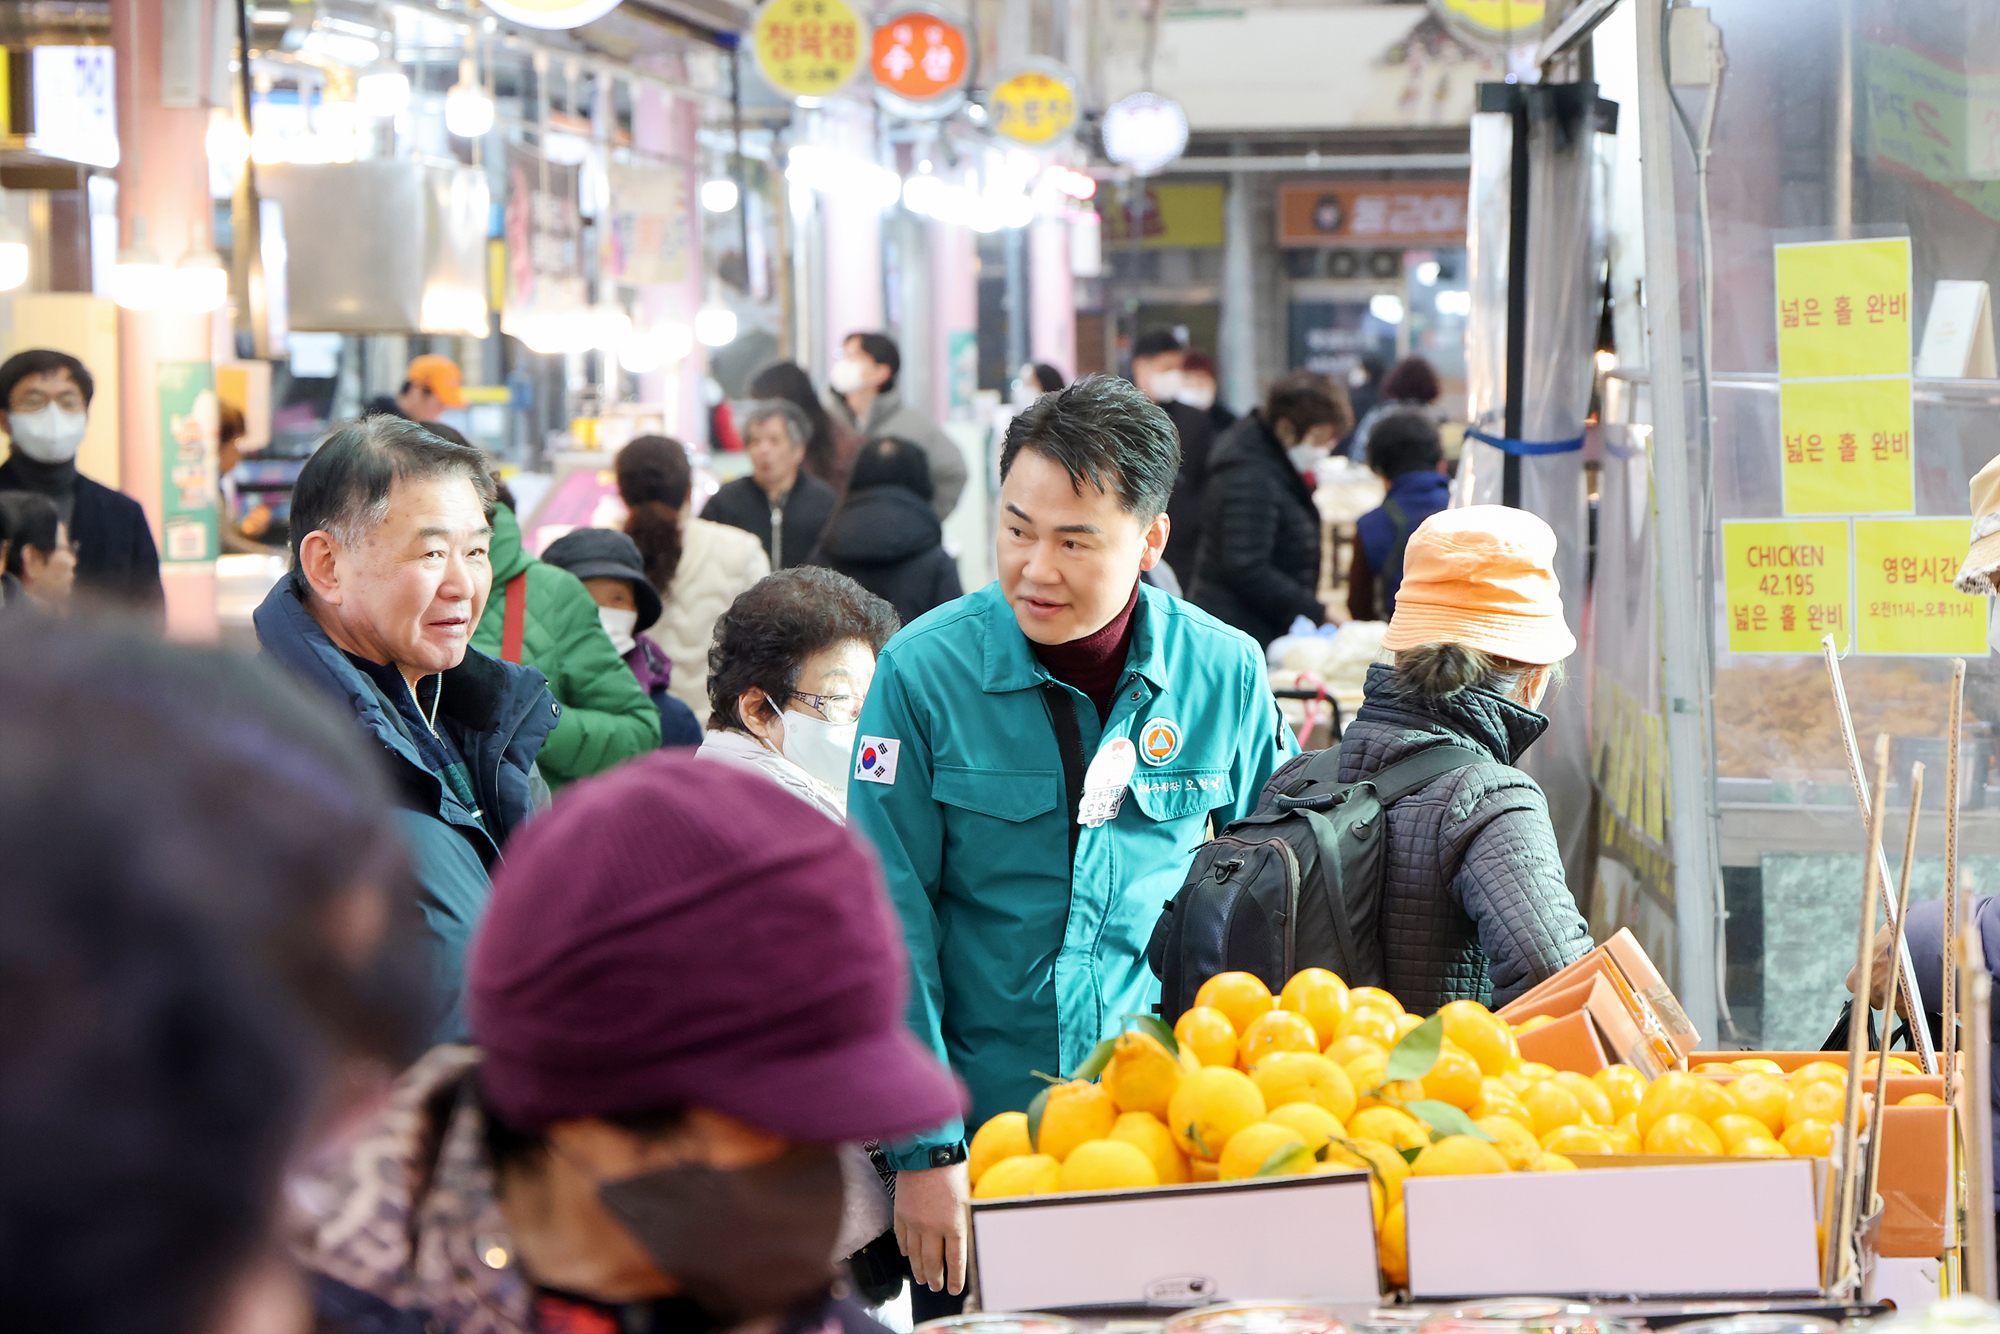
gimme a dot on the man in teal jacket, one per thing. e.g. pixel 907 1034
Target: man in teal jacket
pixel 607 716
pixel 1037 763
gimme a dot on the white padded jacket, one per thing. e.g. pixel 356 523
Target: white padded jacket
pixel 718 563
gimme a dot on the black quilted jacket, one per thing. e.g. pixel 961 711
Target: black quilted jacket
pixel 1475 906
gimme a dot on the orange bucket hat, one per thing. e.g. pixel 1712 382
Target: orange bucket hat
pixel 1483 576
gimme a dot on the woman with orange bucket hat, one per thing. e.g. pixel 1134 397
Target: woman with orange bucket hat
pixel 1475 905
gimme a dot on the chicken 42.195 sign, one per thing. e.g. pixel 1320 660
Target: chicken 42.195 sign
pixel 809 48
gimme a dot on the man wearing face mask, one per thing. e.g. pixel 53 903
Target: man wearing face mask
pixel 1198 388
pixel 862 397
pixel 791 664
pixel 47 396
pixel 1258 567
pixel 645 1138
pixel 1036 764
pixel 1158 357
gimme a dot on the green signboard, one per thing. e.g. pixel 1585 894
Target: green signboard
pixel 187 461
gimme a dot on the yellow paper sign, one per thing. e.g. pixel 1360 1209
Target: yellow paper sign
pixel 1844 308
pixel 1033 107
pixel 808 48
pixel 1904 601
pixel 1786 583
pixel 1847 446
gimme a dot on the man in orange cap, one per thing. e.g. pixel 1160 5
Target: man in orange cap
pixel 431 385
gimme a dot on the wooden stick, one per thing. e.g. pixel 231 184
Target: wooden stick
pixel 1889 1017
pixel 1906 975
pixel 1948 1058
pixel 1842 1235
pixel 1976 1000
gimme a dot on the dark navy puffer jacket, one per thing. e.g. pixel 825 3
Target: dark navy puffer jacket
pixel 1475 906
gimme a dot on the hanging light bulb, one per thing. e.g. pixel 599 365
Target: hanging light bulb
pixel 226 142
pixel 718 195
pixel 715 325
pixel 383 89
pixel 139 281
pixel 199 282
pixel 468 111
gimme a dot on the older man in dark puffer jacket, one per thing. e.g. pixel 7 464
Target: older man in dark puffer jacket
pixel 1475 904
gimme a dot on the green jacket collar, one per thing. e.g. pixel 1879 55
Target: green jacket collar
pixel 506 554
pixel 1012 665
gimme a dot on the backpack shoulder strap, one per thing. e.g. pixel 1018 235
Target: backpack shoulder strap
pixel 1414 773
pixel 1321 769
pixel 514 623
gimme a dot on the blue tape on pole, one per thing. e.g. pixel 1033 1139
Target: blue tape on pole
pixel 1525 447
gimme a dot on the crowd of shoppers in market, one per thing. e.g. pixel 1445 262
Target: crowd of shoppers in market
pixel 663 988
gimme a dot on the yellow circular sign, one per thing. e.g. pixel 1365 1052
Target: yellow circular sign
pixel 1034 107
pixel 552 13
pixel 809 48
pixel 1511 22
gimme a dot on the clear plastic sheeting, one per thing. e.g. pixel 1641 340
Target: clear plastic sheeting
pixel 1565 250
pixel 1836 121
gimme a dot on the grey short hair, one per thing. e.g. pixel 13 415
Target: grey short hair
pixel 344 487
pixel 796 424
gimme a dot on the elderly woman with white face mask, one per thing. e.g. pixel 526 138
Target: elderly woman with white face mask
pixel 788 670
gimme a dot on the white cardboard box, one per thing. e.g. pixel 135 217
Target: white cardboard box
pixel 1294 1238
pixel 1731 1228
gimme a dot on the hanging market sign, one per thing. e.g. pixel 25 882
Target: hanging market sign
pixel 1904 599
pixel 1491 25
pixel 1371 213
pixel 1035 106
pixel 808 48
pixel 920 61
pixel 1844 411
pixel 1144 132
pixel 552 13
pixel 188 418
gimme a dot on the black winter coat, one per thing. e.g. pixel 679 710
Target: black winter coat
pixel 888 540
pixel 1475 906
pixel 1198 437
pixel 1258 566
pixel 115 555
pixel 743 504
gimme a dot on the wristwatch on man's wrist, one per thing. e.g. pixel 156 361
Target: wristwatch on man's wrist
pixel 948 1155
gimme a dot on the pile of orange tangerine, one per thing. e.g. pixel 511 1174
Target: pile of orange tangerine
pixel 1296 1083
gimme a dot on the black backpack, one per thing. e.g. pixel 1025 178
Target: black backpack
pixel 1296 885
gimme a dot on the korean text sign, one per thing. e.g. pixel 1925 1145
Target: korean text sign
pixel 1786 583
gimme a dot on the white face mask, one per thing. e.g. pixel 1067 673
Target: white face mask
pixel 1164 386
pixel 823 749
pixel 1307 457
pixel 1993 624
pixel 52 435
pixel 1203 398
pixel 619 623
pixel 844 375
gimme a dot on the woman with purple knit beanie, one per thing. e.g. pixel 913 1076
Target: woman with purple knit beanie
pixel 646 1136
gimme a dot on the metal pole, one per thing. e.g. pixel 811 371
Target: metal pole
pixel 1684 599
pixel 1976 1115
pixel 1948 1007
pixel 1873 1178
pixel 1517 297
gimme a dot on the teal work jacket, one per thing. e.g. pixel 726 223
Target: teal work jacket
pixel 1021 962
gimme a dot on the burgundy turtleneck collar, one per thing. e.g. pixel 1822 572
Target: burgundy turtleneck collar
pixel 1093 663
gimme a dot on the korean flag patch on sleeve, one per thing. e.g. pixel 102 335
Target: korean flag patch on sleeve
pixel 875 759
